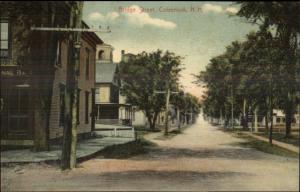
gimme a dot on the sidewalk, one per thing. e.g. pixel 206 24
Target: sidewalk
pixel 85 149
pixel 276 143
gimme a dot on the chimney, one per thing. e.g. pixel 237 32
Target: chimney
pixel 122 55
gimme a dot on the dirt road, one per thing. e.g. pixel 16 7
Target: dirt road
pixel 202 158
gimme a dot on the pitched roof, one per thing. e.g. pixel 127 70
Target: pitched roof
pixel 105 72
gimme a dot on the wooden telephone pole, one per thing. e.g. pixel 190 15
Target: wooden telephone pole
pixel 166 112
pixel 68 158
pixel 77 46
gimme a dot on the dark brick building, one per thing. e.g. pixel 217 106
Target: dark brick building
pixel 34 70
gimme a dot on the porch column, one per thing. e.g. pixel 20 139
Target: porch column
pixel 255 120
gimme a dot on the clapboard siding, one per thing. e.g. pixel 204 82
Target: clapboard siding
pixel 84 84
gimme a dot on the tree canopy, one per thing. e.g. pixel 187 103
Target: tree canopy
pixel 146 74
pixel 262 71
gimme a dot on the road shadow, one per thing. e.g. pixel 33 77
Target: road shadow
pixel 145 150
pixel 227 153
pixel 178 176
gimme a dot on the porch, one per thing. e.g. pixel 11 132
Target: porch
pixel 113 114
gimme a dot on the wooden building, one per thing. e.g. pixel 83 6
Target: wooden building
pixel 110 106
pixel 34 70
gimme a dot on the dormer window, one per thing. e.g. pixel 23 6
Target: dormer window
pixel 101 55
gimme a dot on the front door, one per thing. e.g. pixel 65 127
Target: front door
pixel 15 114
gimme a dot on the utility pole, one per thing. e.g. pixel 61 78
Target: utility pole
pixel 68 158
pixel 167 110
pixel 77 46
pixel 231 90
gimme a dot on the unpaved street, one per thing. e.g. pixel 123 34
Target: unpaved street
pixel 200 159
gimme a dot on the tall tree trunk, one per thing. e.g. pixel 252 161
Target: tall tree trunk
pixel 266 122
pixel 154 120
pixel 149 118
pixel 44 74
pixel 178 119
pixel 288 120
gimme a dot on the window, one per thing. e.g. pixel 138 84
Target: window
pixel 78 107
pixel 58 53
pixel 87 64
pixel 277 120
pixel 87 107
pixel 62 105
pixel 4 38
pixel 101 55
pixel 97 95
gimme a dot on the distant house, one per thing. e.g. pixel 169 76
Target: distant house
pixel 34 71
pixel 278 121
pixel 110 107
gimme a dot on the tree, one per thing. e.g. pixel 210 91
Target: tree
pixel 285 18
pixel 145 74
pixel 186 104
pixel 245 66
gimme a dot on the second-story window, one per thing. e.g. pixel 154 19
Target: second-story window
pixel 58 53
pixel 87 64
pixel 4 38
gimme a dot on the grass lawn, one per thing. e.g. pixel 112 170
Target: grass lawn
pixel 293 139
pixel 264 146
pixel 127 150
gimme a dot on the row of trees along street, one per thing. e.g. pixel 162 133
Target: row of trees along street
pixel 147 74
pixel 260 73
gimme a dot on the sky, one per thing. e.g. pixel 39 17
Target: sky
pixel 194 30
